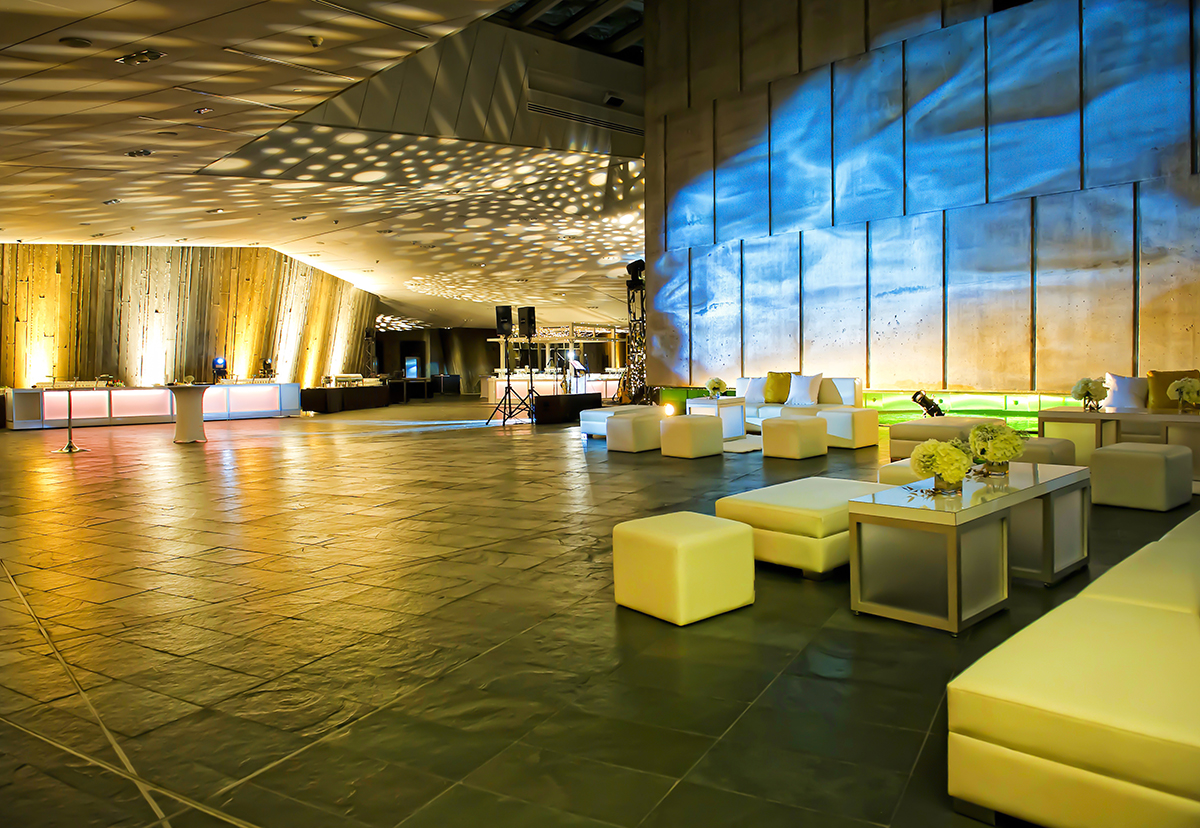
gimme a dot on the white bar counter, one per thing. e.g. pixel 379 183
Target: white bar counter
pixel 47 407
pixel 547 385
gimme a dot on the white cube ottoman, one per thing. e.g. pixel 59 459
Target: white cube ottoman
pixel 692 435
pixel 1051 450
pixel 794 438
pixel 1157 478
pixel 904 437
pixel 851 428
pixel 899 473
pixel 683 567
pixel 594 421
pixel 632 432
pixel 803 524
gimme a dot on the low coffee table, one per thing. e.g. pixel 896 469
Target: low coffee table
pixel 943 561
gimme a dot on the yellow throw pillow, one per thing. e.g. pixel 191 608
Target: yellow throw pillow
pixel 778 387
pixel 1159 382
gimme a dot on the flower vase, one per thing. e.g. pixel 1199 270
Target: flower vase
pixel 996 469
pixel 1090 404
pixel 714 395
pixel 944 487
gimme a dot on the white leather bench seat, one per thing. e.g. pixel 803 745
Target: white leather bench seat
pixel 1105 687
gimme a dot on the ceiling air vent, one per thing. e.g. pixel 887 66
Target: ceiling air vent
pixel 583 119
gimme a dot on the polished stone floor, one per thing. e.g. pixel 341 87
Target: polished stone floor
pixel 398 617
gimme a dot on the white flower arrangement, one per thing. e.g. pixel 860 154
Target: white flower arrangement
pixel 996 443
pixel 948 460
pixel 716 386
pixel 1091 391
pixel 1186 390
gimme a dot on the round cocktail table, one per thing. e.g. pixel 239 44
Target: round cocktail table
pixel 189 413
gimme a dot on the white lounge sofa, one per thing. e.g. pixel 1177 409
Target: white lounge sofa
pixel 1089 716
pixel 836 392
pixel 594 421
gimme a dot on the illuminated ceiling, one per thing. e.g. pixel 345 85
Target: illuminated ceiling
pixel 441 228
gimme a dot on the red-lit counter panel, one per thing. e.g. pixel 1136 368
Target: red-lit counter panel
pixel 47 407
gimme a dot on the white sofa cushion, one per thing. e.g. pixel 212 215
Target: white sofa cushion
pixel 740 386
pixel 1126 392
pixel 804 390
pixel 756 391
pixel 1124 708
pixel 1163 574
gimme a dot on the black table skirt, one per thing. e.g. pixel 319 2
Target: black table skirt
pixel 333 400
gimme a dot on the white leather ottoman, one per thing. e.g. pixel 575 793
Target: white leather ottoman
pixel 632 432
pixel 851 428
pixel 904 437
pixel 1146 476
pixel 899 473
pixel 846 427
pixel 683 567
pixel 592 421
pixel 803 524
pixel 794 438
pixel 1052 450
pixel 692 435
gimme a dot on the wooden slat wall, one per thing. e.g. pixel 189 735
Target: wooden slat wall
pixel 152 314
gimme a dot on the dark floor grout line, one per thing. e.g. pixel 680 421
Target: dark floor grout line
pixel 136 780
pixel 83 695
pixel 913 770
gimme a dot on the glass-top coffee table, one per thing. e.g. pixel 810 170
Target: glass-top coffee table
pixel 944 561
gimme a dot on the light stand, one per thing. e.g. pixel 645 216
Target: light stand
pixel 513 402
pixel 70 447
pixel 632 387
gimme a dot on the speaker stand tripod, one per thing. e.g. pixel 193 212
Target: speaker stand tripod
pixel 513 402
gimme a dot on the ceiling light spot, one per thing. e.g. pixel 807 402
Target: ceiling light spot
pixel 75 42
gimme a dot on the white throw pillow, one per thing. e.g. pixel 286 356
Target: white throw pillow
pixel 1126 392
pixel 740 386
pixel 804 390
pixel 756 391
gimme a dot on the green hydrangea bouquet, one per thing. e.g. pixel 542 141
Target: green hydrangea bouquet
pixel 996 444
pixel 947 461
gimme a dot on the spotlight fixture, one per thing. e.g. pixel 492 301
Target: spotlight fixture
pixel 75 42
pixel 139 153
pixel 288 63
pixel 204 110
pixel 217 210
pixel 931 408
pixel 138 58
pixel 268 368
pixel 220 371
pixel 299 218
pixel 112 201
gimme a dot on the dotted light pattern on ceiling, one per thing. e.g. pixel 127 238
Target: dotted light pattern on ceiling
pixel 554 229
pixel 387 322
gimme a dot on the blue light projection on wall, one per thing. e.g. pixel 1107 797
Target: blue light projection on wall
pixel 985 116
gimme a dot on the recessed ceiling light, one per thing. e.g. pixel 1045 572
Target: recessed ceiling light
pixel 168 133
pixel 299 218
pixel 75 42
pixel 139 153
pixel 112 201
pixel 217 210
pixel 138 58
pixel 204 110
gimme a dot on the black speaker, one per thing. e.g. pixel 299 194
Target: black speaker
pixel 504 320
pixel 526 322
